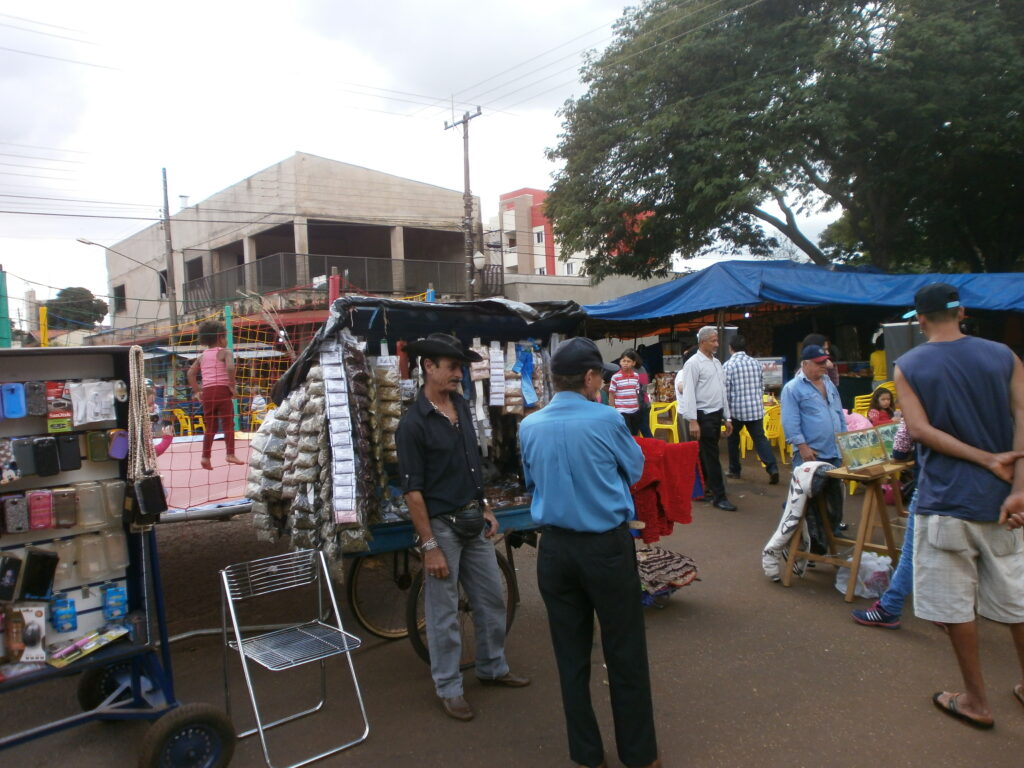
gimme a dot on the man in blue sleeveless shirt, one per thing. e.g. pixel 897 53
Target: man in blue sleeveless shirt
pixel 579 460
pixel 963 399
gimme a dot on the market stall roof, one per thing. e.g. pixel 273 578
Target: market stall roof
pixel 377 318
pixel 748 283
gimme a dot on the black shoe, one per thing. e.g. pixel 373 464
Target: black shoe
pixel 724 503
pixel 773 478
pixel 733 475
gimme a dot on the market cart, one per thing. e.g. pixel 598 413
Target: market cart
pixel 385 585
pixel 130 678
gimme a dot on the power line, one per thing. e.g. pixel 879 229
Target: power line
pixel 36 157
pixel 57 58
pixel 39 23
pixel 48 34
pixel 48 149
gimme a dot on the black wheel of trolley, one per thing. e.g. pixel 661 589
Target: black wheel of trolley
pixel 415 616
pixel 97 684
pixel 378 586
pixel 190 736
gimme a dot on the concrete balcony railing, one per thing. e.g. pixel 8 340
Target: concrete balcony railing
pixel 393 277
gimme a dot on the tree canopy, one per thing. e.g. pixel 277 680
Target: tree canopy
pixel 711 125
pixel 75 309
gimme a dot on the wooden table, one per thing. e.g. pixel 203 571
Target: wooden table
pixel 872 514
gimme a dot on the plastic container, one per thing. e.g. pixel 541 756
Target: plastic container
pixel 92 505
pixel 40 509
pixel 65 507
pixel 115 547
pixel 113 495
pixel 92 558
pixel 67 566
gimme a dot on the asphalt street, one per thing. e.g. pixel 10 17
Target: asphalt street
pixel 745 672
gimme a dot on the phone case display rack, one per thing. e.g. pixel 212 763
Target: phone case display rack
pixel 130 678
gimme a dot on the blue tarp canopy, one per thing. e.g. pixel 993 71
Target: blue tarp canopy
pixel 748 283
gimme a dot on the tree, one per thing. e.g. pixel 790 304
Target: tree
pixel 75 309
pixel 712 124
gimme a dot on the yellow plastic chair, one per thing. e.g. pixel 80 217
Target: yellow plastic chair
pixel 184 422
pixel 657 409
pixel 861 405
pixel 256 418
pixel 773 431
pixel 746 442
pixel 197 424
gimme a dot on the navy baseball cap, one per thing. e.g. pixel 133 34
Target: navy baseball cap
pixel 814 352
pixel 934 297
pixel 579 355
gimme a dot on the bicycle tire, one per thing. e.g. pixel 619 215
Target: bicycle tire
pixel 415 616
pixel 377 586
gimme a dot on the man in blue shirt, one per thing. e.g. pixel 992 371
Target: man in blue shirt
pixel 812 414
pixel 579 461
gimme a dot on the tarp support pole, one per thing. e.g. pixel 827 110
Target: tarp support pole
pixel 229 332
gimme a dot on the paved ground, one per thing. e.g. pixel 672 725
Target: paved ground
pixel 745 673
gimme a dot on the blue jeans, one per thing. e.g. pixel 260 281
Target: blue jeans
pixel 475 565
pixel 902 583
pixel 755 429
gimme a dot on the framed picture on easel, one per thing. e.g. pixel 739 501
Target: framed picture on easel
pixel 862 448
pixel 888 434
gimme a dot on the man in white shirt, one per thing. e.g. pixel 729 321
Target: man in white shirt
pixel 703 405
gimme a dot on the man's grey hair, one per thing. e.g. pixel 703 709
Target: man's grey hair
pixel 705 333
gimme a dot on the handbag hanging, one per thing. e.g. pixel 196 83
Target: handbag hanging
pixel 145 499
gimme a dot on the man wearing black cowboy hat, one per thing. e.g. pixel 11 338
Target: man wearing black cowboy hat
pixel 439 462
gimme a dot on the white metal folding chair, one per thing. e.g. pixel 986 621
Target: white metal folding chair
pixel 289 646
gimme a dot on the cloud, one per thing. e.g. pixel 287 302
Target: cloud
pixel 450 46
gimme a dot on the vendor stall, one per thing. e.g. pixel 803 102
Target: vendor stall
pixel 323 466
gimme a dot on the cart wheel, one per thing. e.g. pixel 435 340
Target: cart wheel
pixel 377 588
pixel 190 736
pixel 416 620
pixel 98 683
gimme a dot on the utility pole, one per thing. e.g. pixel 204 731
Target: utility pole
pixel 467 197
pixel 5 316
pixel 169 257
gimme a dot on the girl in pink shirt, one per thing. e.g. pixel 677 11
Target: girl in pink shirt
pixel 881 411
pixel 216 366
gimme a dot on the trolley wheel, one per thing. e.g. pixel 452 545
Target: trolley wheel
pixel 377 590
pixel 416 620
pixel 98 683
pixel 189 736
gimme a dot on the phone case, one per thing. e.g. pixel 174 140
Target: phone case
pixel 40 509
pixel 69 452
pixel 117 447
pixel 96 446
pixel 92 507
pixel 13 393
pixel 44 450
pixel 65 507
pixel 35 398
pixel 15 513
pixel 24 456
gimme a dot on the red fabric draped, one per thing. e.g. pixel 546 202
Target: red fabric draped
pixel 662 495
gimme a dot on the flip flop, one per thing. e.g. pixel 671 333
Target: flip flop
pixel 951 710
pixel 1018 691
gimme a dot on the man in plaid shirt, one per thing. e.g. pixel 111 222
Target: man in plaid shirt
pixel 744 385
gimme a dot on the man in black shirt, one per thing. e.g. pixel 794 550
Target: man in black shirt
pixel 439 462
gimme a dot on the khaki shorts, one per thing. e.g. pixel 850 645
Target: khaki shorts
pixel 962 567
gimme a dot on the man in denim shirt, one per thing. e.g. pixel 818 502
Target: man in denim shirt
pixel 811 416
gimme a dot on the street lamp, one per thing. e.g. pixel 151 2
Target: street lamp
pixel 167 279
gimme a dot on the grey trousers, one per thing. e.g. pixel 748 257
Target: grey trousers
pixel 475 565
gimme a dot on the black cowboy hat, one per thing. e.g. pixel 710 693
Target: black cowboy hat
pixel 442 345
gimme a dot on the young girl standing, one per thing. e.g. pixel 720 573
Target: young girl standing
pixel 624 390
pixel 216 366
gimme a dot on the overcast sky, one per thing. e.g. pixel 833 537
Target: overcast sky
pixel 98 97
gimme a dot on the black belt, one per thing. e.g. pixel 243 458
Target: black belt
pixel 571 532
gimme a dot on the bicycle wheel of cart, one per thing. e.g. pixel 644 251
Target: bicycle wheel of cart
pixel 415 616
pixel 98 683
pixel 189 736
pixel 378 588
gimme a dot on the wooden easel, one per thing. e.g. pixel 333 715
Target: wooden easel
pixel 872 513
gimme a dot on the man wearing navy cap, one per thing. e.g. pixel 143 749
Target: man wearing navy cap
pixel 812 414
pixel 579 461
pixel 963 401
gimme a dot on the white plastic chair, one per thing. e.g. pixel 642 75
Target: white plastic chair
pixel 289 646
